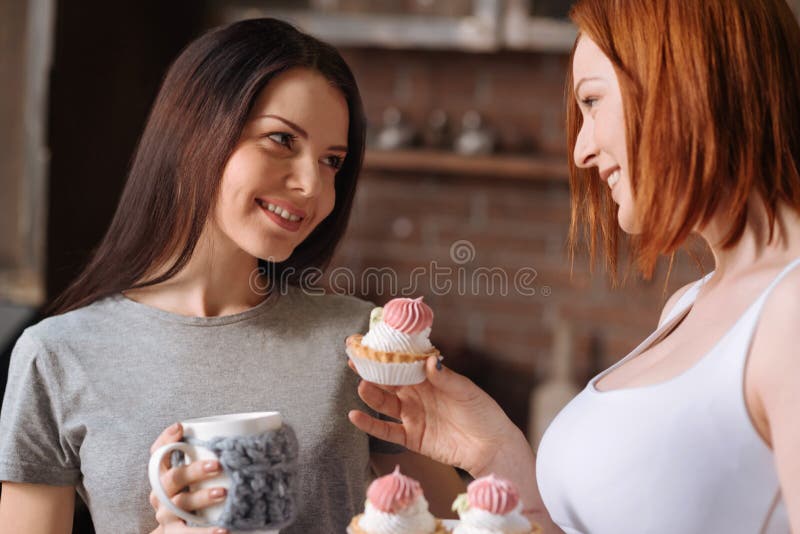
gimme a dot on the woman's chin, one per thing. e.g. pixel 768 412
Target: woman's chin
pixel 272 254
pixel 627 223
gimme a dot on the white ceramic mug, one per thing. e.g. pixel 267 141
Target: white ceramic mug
pixel 204 429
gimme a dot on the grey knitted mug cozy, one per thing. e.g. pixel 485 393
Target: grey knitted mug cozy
pixel 263 470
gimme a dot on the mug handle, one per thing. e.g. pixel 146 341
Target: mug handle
pixel 153 471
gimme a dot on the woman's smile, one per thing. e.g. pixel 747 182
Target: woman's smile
pixel 282 213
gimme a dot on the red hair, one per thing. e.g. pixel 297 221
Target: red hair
pixel 711 93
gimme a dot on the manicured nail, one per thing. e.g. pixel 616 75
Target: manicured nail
pixel 211 466
pixel 439 363
pixel 217 493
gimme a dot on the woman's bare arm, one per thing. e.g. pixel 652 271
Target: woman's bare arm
pixel 36 508
pixel 774 372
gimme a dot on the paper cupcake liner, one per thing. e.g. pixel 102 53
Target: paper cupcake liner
pixel 389 374
pixel 443 526
pixel 447 527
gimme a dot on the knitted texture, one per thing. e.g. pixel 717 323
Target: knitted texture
pixel 262 470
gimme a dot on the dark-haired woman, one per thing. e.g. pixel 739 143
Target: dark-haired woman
pixel 244 177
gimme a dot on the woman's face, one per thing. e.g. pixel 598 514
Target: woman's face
pixel 278 184
pixel 601 140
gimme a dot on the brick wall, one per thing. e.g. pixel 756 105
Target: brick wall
pixel 520 94
pixel 404 221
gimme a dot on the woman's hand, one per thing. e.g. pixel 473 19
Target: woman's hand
pixel 447 418
pixel 175 479
pixel 451 420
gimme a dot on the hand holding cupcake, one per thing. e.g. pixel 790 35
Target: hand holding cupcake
pixel 394 350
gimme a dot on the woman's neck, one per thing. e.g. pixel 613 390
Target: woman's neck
pixel 219 279
pixel 754 249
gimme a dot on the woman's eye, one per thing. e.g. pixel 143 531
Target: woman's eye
pixel 283 138
pixel 589 102
pixel 335 162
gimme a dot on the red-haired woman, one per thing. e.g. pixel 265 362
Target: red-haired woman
pixel 685 119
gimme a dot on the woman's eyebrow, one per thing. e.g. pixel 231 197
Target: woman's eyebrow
pixel 299 131
pixel 587 79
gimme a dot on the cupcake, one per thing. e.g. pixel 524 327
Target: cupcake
pixel 491 506
pixel 395 505
pixel 394 351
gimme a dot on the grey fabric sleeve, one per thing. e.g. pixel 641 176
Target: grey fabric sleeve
pixel 31 445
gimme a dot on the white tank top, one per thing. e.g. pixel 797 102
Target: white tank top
pixel 681 456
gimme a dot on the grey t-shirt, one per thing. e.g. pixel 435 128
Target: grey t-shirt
pixel 90 390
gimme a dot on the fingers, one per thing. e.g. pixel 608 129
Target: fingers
pixel 385 430
pixel 166 518
pixel 177 478
pixel 171 434
pixel 181 528
pixel 196 500
pixel 172 524
pixel 446 380
pixel 380 400
pixel 154 502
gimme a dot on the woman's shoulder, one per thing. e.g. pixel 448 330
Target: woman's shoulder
pixel 328 300
pixel 56 330
pixel 331 308
pixel 775 334
pixel 773 369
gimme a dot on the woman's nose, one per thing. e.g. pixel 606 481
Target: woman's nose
pixel 305 177
pixel 585 152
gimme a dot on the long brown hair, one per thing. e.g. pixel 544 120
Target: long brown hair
pixel 193 127
pixel 710 91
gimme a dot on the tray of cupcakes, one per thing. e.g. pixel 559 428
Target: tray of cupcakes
pixel 396 503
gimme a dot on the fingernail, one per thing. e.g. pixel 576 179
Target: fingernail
pixel 439 363
pixel 174 428
pixel 220 531
pixel 211 466
pixel 217 493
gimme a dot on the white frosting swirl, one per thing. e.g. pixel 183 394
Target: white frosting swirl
pixel 477 521
pixel 415 519
pixel 383 337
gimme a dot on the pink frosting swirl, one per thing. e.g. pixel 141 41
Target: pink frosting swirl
pixel 408 315
pixel 394 492
pixel 493 494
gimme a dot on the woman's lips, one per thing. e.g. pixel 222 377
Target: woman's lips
pixel 286 224
pixel 282 207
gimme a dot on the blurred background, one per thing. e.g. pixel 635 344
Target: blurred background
pixel 466 167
